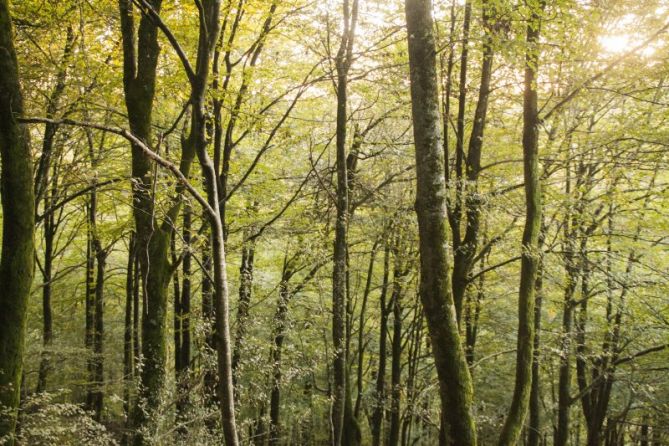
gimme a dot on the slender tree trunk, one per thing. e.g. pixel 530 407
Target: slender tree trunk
pixel 468 196
pixel 339 271
pixel 47 319
pixel 210 21
pixel 89 340
pixel 128 356
pixel 530 243
pixel 459 277
pixel 435 285
pixel 18 226
pixel 275 358
pixel 97 377
pixel 176 291
pixel 208 317
pixel 245 293
pixel 379 397
pixel 50 224
pixel 182 314
pixel 534 427
pixel 361 331
pixel 396 365
pixel 137 303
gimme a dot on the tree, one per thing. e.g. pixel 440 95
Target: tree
pixel 530 245
pixel 454 379
pixel 18 226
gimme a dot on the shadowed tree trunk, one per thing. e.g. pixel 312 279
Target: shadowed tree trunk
pixel 140 59
pixel 245 293
pixel 380 392
pixel 128 338
pixel 399 273
pixel 89 341
pixel 97 376
pixel 50 227
pixel 51 223
pixel 18 226
pixel 534 426
pixel 467 204
pixel 435 285
pixel 286 294
pixel 361 330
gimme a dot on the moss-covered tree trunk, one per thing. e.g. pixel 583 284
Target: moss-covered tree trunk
pixel 140 59
pixel 530 243
pixel 18 226
pixel 435 286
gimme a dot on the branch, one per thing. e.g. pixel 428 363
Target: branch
pixel 657 348
pixel 139 144
pixel 68 199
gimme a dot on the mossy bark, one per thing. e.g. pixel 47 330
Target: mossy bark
pixel 435 285
pixel 18 225
pixel 140 60
pixel 530 242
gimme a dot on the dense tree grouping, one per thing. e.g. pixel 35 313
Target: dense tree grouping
pixel 345 222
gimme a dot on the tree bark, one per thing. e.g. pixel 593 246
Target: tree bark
pixel 18 226
pixel 209 31
pixel 396 364
pixel 534 427
pixel 128 338
pixel 343 64
pixel 380 392
pixel 245 293
pixel 140 59
pixel 435 285
pixel 530 242
pixel 361 331
pixel 97 376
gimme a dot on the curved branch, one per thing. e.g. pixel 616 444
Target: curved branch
pixel 139 144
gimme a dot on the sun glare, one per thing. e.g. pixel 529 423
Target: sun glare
pixel 621 43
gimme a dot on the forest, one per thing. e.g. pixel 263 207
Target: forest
pixel 335 222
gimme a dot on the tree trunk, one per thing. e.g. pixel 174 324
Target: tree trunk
pixel 89 340
pixel 275 358
pixel 210 20
pixel 140 59
pixel 18 226
pixel 47 319
pixel 380 393
pixel 534 427
pixel 343 64
pixel 97 376
pixel 50 223
pixel 396 365
pixel 245 293
pixel 435 285
pixel 361 330
pixel 530 242
pixel 182 316
pixel 128 338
